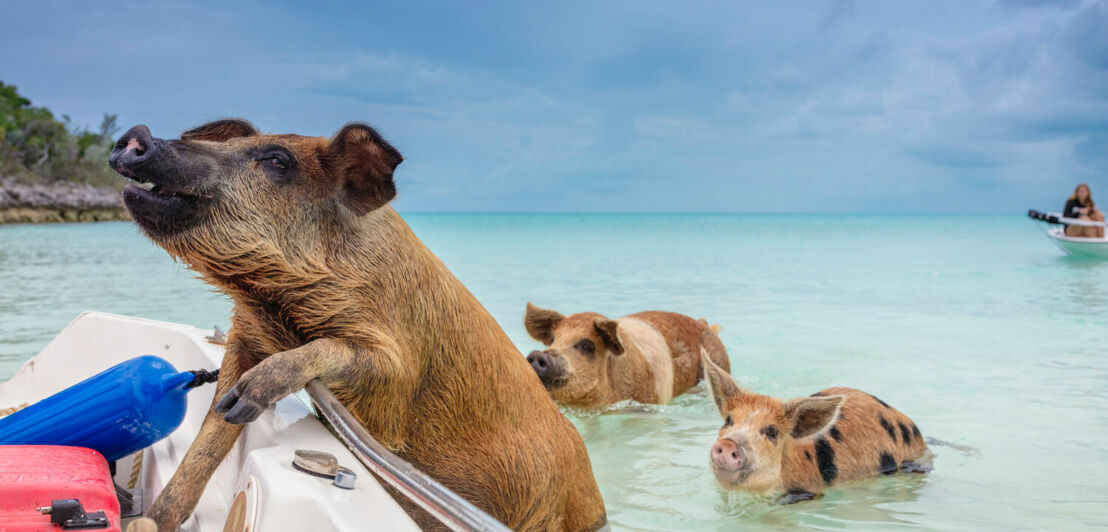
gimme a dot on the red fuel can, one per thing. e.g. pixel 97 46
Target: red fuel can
pixel 52 476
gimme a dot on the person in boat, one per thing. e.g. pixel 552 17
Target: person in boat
pixel 1080 205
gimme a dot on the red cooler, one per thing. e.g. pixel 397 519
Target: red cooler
pixel 73 481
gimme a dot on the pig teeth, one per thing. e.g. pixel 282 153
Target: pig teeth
pixel 164 192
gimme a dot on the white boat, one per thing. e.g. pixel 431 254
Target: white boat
pixel 1078 246
pixel 256 487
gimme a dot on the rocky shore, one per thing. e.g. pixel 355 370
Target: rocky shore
pixel 58 202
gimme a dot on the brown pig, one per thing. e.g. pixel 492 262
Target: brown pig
pixel 329 283
pixel 592 361
pixel 796 448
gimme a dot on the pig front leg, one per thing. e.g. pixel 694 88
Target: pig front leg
pixel 241 397
pixel 795 496
pixel 214 440
pixel 283 374
pixel 364 377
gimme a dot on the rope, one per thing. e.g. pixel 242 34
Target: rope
pixel 136 468
pixel 12 410
pixel 201 377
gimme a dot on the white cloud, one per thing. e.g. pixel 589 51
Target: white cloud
pixel 718 106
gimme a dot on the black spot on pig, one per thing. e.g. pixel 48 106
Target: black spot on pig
pixel 825 456
pixel 915 431
pixel 808 455
pixel 836 434
pixel 905 435
pixel 888 464
pixel 883 403
pixel 888 428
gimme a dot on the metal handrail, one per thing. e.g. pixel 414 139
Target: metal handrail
pixel 448 507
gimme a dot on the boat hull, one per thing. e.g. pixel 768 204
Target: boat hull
pixel 1079 246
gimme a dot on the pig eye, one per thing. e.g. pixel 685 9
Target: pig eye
pixel 728 422
pixel 275 161
pixel 585 346
pixel 771 433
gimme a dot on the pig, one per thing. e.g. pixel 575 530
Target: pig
pixel 328 282
pixel 795 449
pixel 592 361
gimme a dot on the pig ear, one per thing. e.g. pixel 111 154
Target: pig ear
pixel 221 130
pixel 540 323
pixel 606 329
pixel 364 164
pixel 721 386
pixel 810 415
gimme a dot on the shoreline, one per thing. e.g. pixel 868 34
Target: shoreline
pixel 58 202
pixel 60 215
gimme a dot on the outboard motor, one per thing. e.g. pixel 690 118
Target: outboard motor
pixel 1043 217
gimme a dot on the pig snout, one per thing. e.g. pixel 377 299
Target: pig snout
pixel 727 455
pixel 549 370
pixel 134 148
pixel 541 363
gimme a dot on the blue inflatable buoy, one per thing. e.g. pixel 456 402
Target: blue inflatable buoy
pixel 117 412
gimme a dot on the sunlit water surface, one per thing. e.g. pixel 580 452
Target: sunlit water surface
pixel 976 327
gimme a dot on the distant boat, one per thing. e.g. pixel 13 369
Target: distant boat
pixel 1078 246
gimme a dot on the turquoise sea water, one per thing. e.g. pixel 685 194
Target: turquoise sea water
pixel 975 326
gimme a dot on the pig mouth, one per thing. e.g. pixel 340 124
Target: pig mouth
pixel 553 383
pixel 166 197
pixel 163 210
pixel 731 480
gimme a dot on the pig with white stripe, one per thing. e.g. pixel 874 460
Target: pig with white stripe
pixel 795 449
pixel 592 361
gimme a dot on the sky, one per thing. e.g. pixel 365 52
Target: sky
pixel 825 106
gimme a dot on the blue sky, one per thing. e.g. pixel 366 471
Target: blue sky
pixel 826 106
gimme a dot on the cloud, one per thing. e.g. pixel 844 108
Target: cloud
pixel 1087 36
pixel 826 106
pixel 1093 150
pixel 837 11
pixel 1039 3
pixel 955 157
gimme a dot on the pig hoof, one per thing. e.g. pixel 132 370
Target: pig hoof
pixel 914 467
pixel 794 497
pixel 239 410
pixel 142 524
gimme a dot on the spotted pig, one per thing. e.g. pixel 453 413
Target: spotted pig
pixel 796 448
pixel 592 361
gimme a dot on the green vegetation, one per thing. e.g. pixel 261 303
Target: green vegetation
pixel 37 147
